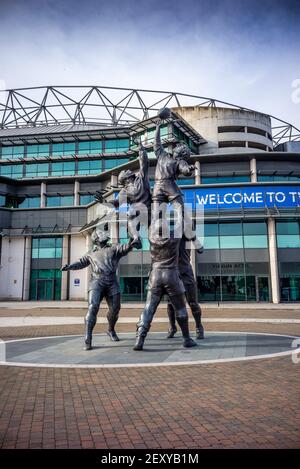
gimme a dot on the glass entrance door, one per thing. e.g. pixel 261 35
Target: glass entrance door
pixel 45 289
pixel 262 289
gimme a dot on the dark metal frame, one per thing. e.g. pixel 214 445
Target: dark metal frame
pixel 106 106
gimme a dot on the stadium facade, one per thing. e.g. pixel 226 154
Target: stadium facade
pixel 59 145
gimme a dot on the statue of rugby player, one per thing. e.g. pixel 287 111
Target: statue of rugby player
pixel 164 279
pixel 104 260
pixel 136 192
pixel 187 276
pixel 169 167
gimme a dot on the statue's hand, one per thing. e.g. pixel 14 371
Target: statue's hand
pixel 198 246
pixel 65 268
pixel 192 167
pixel 99 197
pixel 136 242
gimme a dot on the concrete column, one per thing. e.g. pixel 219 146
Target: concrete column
pixel 253 170
pixel 76 193
pixel 88 247
pixel 273 261
pixel 197 173
pixel 43 194
pixel 65 275
pixel 27 269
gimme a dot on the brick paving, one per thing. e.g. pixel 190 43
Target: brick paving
pixel 237 405
pixel 231 405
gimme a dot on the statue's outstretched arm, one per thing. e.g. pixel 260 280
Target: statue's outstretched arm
pixel 100 199
pixel 157 145
pixel 143 161
pixel 81 264
pixel 124 249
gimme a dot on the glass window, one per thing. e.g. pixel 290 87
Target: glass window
pixel 272 178
pixel 30 202
pixel 211 242
pixel 95 166
pixel 150 135
pixel 63 149
pixel 7 152
pixel 164 131
pixel 47 248
pixel 224 179
pixel 89 167
pixel 83 148
pixel 11 152
pixel 66 168
pixel 233 288
pixel 69 168
pixel 17 171
pixel 86 199
pixel 57 149
pixel 256 241
pixel 37 169
pixel 90 147
pixel 231 242
pixel 210 229
pixel 288 241
pixel 60 201
pixel 254 228
pixel 188 181
pixel 2 200
pixel 34 151
pixel 119 145
pixel 44 150
pixel 287 227
pixel 57 169
pixel 209 288
pixel 69 149
pixel 5 170
pixel 109 164
pixel 230 229
pixel 96 147
pixel 14 171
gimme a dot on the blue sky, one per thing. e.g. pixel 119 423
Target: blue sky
pixel 245 52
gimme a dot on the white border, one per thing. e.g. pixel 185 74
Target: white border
pixel 155 364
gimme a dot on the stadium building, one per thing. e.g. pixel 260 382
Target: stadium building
pixel 59 145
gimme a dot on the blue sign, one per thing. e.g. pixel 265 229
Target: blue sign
pixel 76 282
pixel 251 196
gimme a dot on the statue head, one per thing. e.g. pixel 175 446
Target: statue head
pixel 126 177
pixel 181 152
pixel 99 237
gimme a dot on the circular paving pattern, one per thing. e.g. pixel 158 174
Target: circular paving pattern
pixel 67 351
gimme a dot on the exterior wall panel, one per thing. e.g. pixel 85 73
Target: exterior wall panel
pixel 11 272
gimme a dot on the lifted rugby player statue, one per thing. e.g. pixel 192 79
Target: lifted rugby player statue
pixel 187 276
pixel 164 279
pixel 104 260
pixel 169 167
pixel 136 192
